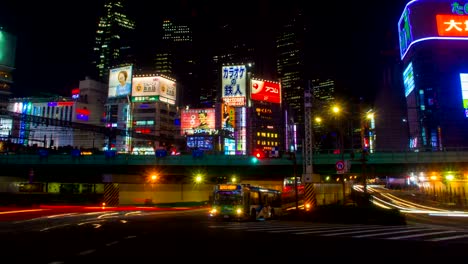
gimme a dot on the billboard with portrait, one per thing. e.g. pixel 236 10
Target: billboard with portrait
pixel 198 121
pixel 154 86
pixel 120 82
pixel 233 84
pixel 228 114
pixel 265 91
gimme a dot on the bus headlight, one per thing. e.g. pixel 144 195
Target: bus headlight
pixel 213 211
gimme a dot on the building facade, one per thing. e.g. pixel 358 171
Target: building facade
pixel 434 52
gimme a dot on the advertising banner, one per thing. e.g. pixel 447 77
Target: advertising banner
pixel 265 91
pixel 120 82
pixel 150 87
pixel 228 115
pixel 233 85
pixel 198 121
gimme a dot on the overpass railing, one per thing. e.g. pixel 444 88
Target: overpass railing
pixel 214 159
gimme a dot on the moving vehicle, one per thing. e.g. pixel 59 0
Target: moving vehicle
pixel 245 202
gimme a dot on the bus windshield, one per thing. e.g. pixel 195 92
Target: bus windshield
pixel 228 198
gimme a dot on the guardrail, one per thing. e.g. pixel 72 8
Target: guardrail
pixel 230 160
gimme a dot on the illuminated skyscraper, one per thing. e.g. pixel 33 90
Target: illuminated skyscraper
pixel 175 58
pixel 114 37
pixel 290 67
pixel 323 90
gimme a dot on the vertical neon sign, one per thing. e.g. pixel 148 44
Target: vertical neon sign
pixel 464 90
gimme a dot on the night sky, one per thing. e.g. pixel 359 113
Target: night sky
pixel 54 42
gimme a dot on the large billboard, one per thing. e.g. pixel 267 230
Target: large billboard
pixel 432 19
pixel 233 84
pixel 265 91
pixel 7 49
pixel 154 88
pixel 198 121
pixel 120 82
pixel 228 115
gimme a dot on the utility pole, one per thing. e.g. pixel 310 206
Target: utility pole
pixel 308 177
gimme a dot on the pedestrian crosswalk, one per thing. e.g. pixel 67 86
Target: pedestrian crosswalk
pixel 405 232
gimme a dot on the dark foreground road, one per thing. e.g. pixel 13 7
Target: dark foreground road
pixel 188 236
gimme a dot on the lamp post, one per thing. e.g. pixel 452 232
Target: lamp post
pixel 366 142
pixel 336 111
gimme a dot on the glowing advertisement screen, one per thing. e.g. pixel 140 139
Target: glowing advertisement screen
pixel 408 79
pixel 229 146
pixel 265 91
pixel 233 85
pixel 120 82
pixel 198 121
pixel 200 142
pixel 7 49
pixel 228 115
pixel 154 87
pixel 464 90
pixel 429 20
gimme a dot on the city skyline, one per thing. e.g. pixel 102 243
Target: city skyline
pixel 53 49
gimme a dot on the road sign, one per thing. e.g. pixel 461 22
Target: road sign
pixel 340 165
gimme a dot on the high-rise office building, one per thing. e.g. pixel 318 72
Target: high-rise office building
pixel 232 47
pixel 175 58
pixel 290 68
pixel 114 39
pixel 434 51
pixel 323 90
pixel 390 105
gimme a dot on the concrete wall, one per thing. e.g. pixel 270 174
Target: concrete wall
pixel 330 193
pixel 141 194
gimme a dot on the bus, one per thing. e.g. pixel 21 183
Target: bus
pixel 245 202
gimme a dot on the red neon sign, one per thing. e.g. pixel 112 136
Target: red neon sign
pixel 452 25
pixel 82 111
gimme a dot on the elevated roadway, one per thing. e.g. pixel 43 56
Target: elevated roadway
pixel 94 166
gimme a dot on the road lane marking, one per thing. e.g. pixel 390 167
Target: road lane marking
pixel 391 233
pixel 364 231
pixel 447 238
pixel 112 243
pixel 423 234
pixel 328 230
pixel 86 252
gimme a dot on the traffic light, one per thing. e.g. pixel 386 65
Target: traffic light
pixel 257 154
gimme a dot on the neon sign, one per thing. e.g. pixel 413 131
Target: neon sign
pixel 459 9
pixel 452 25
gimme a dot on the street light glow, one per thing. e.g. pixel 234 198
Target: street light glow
pixel 336 109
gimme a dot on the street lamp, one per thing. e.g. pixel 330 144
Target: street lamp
pixel 337 110
pixel 198 178
pixel 233 179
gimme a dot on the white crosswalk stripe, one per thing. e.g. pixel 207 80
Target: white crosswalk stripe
pixel 424 233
